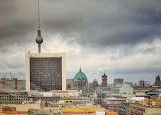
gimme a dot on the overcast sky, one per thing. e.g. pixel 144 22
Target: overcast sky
pixel 122 37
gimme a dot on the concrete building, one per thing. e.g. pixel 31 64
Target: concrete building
pixel 123 108
pixel 112 103
pixel 144 109
pixel 58 97
pixel 45 71
pixel 118 81
pixel 125 89
pixel 13 97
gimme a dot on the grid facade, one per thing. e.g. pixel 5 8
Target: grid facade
pixel 46 73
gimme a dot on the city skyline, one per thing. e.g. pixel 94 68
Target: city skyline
pixel 122 38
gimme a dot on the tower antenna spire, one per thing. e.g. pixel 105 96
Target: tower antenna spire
pixel 38 7
pixel 39 39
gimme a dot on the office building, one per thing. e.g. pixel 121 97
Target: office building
pixel 45 71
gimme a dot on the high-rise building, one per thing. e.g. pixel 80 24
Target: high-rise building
pixel 104 80
pixel 157 81
pixel 143 83
pixel 45 71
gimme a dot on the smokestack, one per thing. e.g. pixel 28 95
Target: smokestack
pixel 4 83
pixel 15 79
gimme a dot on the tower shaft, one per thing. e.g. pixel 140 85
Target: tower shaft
pixel 39 48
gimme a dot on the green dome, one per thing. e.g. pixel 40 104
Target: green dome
pixel 79 76
pixel 95 80
pixel 80 80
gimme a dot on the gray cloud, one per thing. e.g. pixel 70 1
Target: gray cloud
pixel 111 28
pixel 97 23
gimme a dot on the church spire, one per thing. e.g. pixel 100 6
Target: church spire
pixel 39 39
pixel 80 70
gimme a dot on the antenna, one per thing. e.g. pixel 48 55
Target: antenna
pixel 39 39
pixel 38 7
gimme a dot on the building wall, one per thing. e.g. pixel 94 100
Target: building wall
pixel 126 89
pixel 153 111
pixel 40 55
pixel 11 85
pixel 13 97
pixel 25 107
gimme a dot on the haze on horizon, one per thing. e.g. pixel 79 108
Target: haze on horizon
pixel 122 37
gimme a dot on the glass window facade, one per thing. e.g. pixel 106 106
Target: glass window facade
pixel 46 73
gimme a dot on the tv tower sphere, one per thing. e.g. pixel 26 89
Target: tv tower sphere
pixel 39 39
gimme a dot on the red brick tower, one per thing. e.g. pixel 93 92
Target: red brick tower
pixel 104 80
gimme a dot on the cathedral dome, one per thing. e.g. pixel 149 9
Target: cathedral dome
pixel 80 76
pixel 95 80
pixel 80 79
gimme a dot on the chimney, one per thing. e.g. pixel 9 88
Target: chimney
pixel 15 79
pixel 4 83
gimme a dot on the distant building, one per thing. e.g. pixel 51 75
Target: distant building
pixel 143 90
pixel 45 71
pixel 150 107
pixel 157 81
pixel 119 89
pixel 123 108
pixel 94 84
pixel 80 80
pixel 118 81
pixel 70 84
pixel 125 89
pixel 130 83
pixel 142 83
pixel 112 104
pixel 13 97
pixel 104 80
pixel 12 84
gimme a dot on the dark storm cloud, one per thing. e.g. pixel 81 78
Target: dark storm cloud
pixel 106 23
pixel 96 23
pixel 15 22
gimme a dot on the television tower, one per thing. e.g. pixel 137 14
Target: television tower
pixel 39 39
